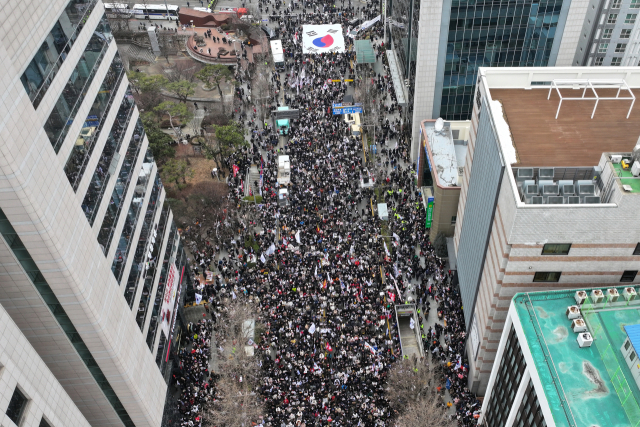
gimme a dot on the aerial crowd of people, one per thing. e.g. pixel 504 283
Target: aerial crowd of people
pixel 326 270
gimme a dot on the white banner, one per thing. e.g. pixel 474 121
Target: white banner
pixel 322 38
pixel 367 24
pixel 169 297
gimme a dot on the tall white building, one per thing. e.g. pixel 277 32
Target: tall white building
pixel 91 267
pixel 550 196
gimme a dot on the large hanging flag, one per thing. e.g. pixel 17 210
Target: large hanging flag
pixel 322 39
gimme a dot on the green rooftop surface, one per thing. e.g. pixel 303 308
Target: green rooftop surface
pixel 633 182
pixel 577 383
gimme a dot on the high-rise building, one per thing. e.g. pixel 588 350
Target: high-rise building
pixel 437 47
pixel 550 192
pixel 92 270
pixel 614 39
pixel 567 358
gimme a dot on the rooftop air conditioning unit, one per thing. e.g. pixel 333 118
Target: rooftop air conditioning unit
pixel 585 188
pixel 550 190
pixel 612 295
pixel 573 312
pixel 555 200
pixel 537 200
pixel 567 189
pixel 545 173
pixel 635 169
pixel 573 200
pixel 629 294
pixel 530 191
pixel 591 200
pixel 580 296
pixel 585 340
pixel 524 174
pixel 616 158
pixel 543 183
pixel 597 296
pixel 578 325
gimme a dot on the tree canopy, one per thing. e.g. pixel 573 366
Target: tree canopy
pixel 182 89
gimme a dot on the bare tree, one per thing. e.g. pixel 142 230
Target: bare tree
pixel 240 403
pixel 261 89
pixel 185 69
pixel 412 391
pixel 119 17
pixel 367 94
pixel 168 43
pixel 409 381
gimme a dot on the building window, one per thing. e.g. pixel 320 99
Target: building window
pixel 636 251
pixel 613 17
pixel 44 423
pixel 547 276
pixel 16 406
pixel 602 48
pixel 616 4
pixel 635 4
pixel 629 276
pixel 598 62
pixel 620 47
pixel 627 343
pixel 608 32
pixel 632 356
pixel 556 249
pixel 625 34
pixel 453 220
pixel 631 18
pixel 616 61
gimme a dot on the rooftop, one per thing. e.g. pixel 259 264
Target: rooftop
pixel 574 139
pixel 448 150
pixel 577 381
pixel 628 182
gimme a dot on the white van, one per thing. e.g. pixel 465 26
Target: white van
pixel 354 122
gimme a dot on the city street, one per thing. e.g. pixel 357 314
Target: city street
pixel 327 271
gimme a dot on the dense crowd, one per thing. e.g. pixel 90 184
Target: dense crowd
pixel 324 270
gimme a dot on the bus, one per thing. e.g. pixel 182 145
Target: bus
pixel 117 10
pixel 278 54
pixel 157 11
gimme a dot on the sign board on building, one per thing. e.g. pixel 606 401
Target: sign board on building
pixel 169 297
pixel 429 211
pixel 286 114
pixel 341 109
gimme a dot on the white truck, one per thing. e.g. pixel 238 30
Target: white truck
pixel 284 170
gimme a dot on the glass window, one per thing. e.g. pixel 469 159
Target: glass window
pixel 629 276
pixel 608 32
pixel 131 222
pixel 109 158
pixel 547 276
pixel 598 61
pixel 453 220
pixel 635 4
pixel 556 249
pixel 613 17
pixel 92 127
pixel 602 48
pixel 110 221
pixel 620 47
pixel 627 343
pixel 625 34
pixel 636 251
pixel 54 50
pixel 615 4
pixel 16 406
pixel 630 18
pixel 632 356
pixel 616 61
pixel 60 120
pixel 44 423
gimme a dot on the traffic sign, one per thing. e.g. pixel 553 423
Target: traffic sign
pixel 346 110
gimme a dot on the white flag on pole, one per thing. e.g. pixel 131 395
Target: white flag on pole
pixel 198 298
pixel 395 236
pixel 263 259
pixel 298 236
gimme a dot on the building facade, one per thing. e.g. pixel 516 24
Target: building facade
pixel 455 38
pixel 440 167
pixel 615 37
pixel 545 202
pixel 91 266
